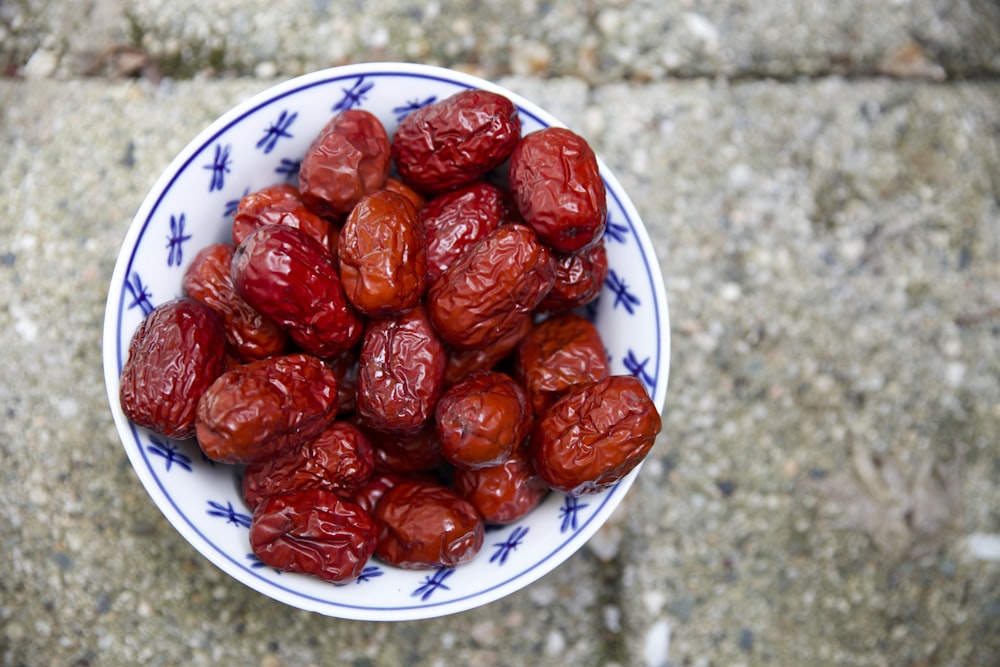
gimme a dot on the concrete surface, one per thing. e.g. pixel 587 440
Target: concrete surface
pixel 822 183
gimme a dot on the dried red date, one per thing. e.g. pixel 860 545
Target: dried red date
pixel 594 435
pixel 482 420
pixel 280 205
pixel 399 187
pixel 503 493
pixel 488 291
pixel 250 335
pixel 367 497
pixel 262 409
pixel 383 255
pixel 560 352
pixel 407 453
pixel 400 373
pixel 457 220
pixel 462 362
pixel 456 140
pixel 340 459
pixel 557 187
pixel 313 532
pixel 173 357
pixel 424 526
pixel 289 277
pixel 348 159
pixel 579 279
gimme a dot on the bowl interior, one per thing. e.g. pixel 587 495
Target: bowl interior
pixel 258 143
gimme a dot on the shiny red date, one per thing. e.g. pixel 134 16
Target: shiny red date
pixel 313 532
pixel 174 356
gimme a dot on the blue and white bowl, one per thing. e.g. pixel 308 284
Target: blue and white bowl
pixel 258 143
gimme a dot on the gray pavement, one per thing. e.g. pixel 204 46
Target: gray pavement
pixel 822 184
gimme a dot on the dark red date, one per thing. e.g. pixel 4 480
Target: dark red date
pixel 457 220
pixel 503 493
pixel 557 187
pixel 488 291
pixel 407 453
pixel 383 255
pixel 348 159
pixel 559 353
pixel 482 420
pixel 280 205
pixel 400 373
pixel 262 409
pixel 579 279
pixel 462 362
pixel 313 532
pixel 174 356
pixel 456 140
pixel 289 277
pixel 250 335
pixel 399 187
pixel 340 459
pixel 594 435
pixel 424 526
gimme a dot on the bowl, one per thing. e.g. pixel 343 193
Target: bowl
pixel 258 143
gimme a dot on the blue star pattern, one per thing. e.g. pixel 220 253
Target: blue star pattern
pixel 288 168
pixel 623 297
pixel 229 513
pixel 504 549
pixel 277 130
pixel 568 513
pixel 170 453
pixel 233 204
pixel 431 584
pixel 256 563
pixel 405 110
pixel 615 232
pixel 638 369
pixel 175 241
pixel 219 167
pixel 354 95
pixel 141 296
pixel 368 573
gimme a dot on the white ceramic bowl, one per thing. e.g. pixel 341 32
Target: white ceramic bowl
pixel 258 143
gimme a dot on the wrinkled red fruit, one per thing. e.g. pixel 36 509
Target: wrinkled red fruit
pixel 313 532
pixel 423 525
pixel 502 493
pixel 456 140
pixel 557 187
pixel 558 354
pixel 579 279
pixel 457 220
pixel 250 335
pixel 260 410
pixel 400 373
pixel 383 255
pixel 482 420
pixel 348 159
pixel 280 205
pixel 340 459
pixel 486 294
pixel 594 435
pixel 289 277
pixel 174 356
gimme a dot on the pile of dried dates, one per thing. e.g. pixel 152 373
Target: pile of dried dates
pixel 392 349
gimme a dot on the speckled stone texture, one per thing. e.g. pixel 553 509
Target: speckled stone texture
pixel 825 489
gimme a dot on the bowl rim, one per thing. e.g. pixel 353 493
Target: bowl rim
pixel 112 343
